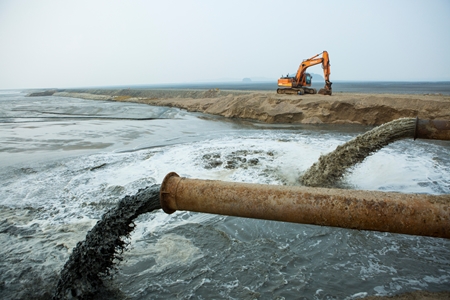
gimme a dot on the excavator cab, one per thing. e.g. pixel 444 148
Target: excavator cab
pixel 308 79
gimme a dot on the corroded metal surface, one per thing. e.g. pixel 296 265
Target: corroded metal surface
pixel 432 129
pixel 414 214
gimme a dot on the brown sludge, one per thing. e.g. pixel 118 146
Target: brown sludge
pixel 93 259
pixel 416 295
pixel 332 166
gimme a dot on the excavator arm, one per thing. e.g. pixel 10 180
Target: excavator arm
pixel 300 76
pixel 326 74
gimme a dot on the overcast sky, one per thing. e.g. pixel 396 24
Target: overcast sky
pixel 67 43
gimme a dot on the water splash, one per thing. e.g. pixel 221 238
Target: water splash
pixel 93 258
pixel 332 166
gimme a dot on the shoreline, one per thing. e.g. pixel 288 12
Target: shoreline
pixel 273 108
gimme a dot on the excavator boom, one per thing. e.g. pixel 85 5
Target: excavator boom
pixel 302 81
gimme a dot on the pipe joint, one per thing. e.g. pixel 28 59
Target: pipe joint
pixel 432 129
pixel 168 192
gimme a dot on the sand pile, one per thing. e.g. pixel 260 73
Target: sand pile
pixel 269 107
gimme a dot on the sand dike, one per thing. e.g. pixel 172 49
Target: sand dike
pixel 269 107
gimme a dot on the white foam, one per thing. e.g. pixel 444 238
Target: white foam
pixel 374 266
pixel 437 280
pixel 171 249
pixel 408 172
pixel 357 296
pixel 85 186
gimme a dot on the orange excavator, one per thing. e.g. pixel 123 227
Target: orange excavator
pixel 299 84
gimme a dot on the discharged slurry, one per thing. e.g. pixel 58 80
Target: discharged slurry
pixel 332 166
pixel 93 258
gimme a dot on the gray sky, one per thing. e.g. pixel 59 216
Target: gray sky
pixel 68 43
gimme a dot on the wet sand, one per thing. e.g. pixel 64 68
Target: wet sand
pixel 269 107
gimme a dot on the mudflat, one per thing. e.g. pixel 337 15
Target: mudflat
pixel 270 107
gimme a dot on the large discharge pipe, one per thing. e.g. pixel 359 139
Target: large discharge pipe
pixel 426 215
pixel 432 129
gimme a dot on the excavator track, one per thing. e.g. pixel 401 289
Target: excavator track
pixel 310 91
pixel 297 91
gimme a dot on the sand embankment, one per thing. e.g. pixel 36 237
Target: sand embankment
pixel 269 107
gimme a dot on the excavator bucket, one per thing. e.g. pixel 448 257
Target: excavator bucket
pixel 324 92
pixel 326 89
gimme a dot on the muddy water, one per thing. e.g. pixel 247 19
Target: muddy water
pixel 327 171
pixel 60 176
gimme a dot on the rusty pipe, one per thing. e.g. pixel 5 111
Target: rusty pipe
pixel 432 129
pixel 415 214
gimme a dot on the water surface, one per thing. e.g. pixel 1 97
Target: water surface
pixel 65 161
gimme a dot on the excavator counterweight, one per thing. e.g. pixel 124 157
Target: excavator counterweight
pixel 301 82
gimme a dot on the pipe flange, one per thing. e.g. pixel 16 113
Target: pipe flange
pixel 416 128
pixel 164 194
